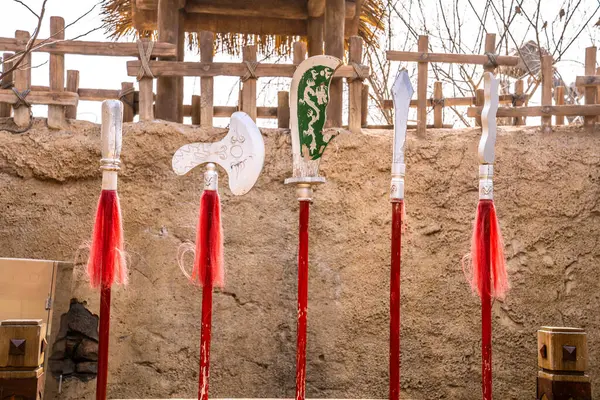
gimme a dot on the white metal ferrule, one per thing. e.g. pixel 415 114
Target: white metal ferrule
pixel 211 177
pixel 486 184
pixel 109 180
pixel 397 183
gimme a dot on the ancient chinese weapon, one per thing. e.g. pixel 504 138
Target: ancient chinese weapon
pixel 309 97
pixel 241 153
pixel 402 92
pixel 106 263
pixel 489 276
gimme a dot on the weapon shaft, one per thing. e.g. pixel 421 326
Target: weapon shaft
pixel 397 211
pixel 104 329
pixel 486 317
pixel 302 299
pixel 205 334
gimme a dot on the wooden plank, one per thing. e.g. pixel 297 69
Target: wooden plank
pixel 299 53
pixel 541 111
pixel 206 44
pixel 547 78
pixel 316 8
pixel 6 82
pixel 587 80
pixel 437 106
pixel 559 100
pixel 195 110
pixel 166 90
pixel 423 56
pixel 479 101
pixel 73 87
pixel 590 92
pixel 249 86
pixel 490 47
pixel 81 47
pixel 334 46
pixel 171 68
pixel 284 9
pixel 364 108
pixel 315 36
pixel 450 101
pixel 22 115
pixel 180 57
pixel 283 109
pixel 87 94
pixel 423 46
pixel 598 93
pixel 355 87
pixel 227 111
pixel 46 98
pixel 353 25
pixel 247 25
pixel 56 114
pixel 146 99
pixel 519 102
pixel 127 100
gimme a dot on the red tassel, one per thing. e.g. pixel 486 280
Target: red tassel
pixel 107 260
pixel 489 275
pixel 208 263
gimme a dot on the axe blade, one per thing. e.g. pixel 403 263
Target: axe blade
pixel 241 153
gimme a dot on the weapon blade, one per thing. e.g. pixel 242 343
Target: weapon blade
pixel 402 92
pixel 309 96
pixel 487 143
pixel 241 153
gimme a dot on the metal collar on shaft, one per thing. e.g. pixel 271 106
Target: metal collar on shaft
pixel 211 177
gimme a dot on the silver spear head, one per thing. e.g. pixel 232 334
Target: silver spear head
pixel 402 92
pixel 309 96
pixel 487 142
pixel 241 153
pixel 111 132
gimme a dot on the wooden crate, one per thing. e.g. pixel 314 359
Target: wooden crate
pixel 22 344
pixel 562 349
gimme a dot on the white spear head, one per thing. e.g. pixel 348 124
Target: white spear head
pixel 402 92
pixel 487 143
pixel 309 96
pixel 241 153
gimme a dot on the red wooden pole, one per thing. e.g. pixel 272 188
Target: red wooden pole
pixel 486 316
pixel 397 210
pixel 302 300
pixel 104 330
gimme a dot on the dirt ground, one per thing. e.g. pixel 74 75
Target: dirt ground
pixel 548 200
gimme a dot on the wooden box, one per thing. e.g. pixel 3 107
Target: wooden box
pixel 562 349
pixel 22 344
pixel 22 385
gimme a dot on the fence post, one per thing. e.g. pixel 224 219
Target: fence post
pixel 559 100
pixel 490 48
pixel 283 109
pixel 22 116
pixel 6 83
pixel 249 86
pixel 598 93
pixel 479 101
pixel 197 109
pixel 355 86
pixel 206 43
pixel 422 86
pixel 299 52
pixel 547 77
pixel 438 99
pixel 146 93
pixel 56 114
pixel 519 88
pixel 364 107
pixel 127 98
pixel 590 91
pixel 72 86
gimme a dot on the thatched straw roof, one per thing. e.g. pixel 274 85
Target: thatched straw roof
pixel 121 18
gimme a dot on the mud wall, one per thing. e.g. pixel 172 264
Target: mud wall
pixel 548 199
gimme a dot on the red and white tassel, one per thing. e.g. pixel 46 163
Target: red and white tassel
pixel 208 260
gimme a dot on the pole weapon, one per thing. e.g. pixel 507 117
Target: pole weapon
pixel 309 96
pixel 241 153
pixel 402 92
pixel 106 263
pixel 489 278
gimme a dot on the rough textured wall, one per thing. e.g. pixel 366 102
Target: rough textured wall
pixel 548 199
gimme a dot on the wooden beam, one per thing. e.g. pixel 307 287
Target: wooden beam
pixel 437 106
pixel 587 80
pixel 146 4
pixel 283 109
pixel 355 87
pixel 81 47
pixel 547 78
pixel 409 56
pixel 316 8
pixel 226 111
pixel 541 111
pixel 187 68
pixel 284 9
pixel 450 101
pixel 334 46
pixel 249 25
pixel 315 36
pixel 559 100
pixel 520 101
pixel 248 99
pixel 7 81
pixel 72 86
pixel 56 114
pixel 46 98
pixel 422 85
pixel 590 92
pixel 206 42
pixel 22 82
pixel 167 87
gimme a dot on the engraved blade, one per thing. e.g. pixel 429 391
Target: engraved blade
pixel 241 153
pixel 402 92
pixel 487 143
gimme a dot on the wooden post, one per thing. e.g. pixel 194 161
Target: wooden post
pixel 197 110
pixel 352 29
pixel 598 93
pixel 364 108
pixel 299 52
pixel 590 91
pixel 559 100
pixel 127 99
pixel 490 47
pixel 22 74
pixel 479 101
pixel 249 86
pixel 315 36
pixel 180 57
pixel 519 101
pixel 547 77
pixel 283 109
pixel 335 13
pixel 72 86
pixel 438 120
pixel 355 87
pixel 146 99
pixel 206 42
pixel 6 83
pixel 166 88
pixel 422 87
pixel 56 114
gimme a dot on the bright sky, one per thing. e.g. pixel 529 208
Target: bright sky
pixel 109 72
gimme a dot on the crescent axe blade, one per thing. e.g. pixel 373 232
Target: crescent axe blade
pixel 241 153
